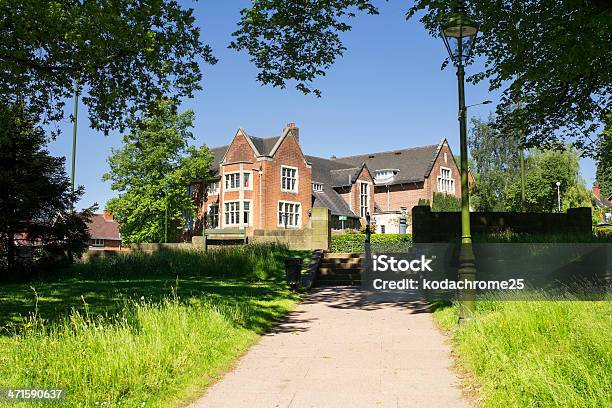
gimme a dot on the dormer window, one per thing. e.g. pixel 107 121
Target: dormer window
pixel 384 175
pixel 317 186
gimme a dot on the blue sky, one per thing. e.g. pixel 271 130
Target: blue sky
pixel 387 92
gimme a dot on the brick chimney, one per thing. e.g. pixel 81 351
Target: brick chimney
pixel 294 130
pixel 107 215
pixel 596 190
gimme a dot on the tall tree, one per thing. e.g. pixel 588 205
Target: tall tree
pixel 495 160
pixel 35 195
pixel 604 158
pixel 123 54
pixel 543 170
pixel 151 172
pixel 552 55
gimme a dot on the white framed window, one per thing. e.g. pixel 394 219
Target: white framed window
pixel 246 180
pixel 289 214
pixel 232 181
pixel 246 212
pixel 236 179
pixel 213 188
pixel 235 215
pixel 317 186
pixel 213 216
pixel 98 243
pixel 446 182
pixel 364 199
pixel 231 211
pixel 289 179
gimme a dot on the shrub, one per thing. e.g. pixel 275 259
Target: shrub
pixel 445 203
pixel 379 242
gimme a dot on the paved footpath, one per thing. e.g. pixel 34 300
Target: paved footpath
pixel 339 350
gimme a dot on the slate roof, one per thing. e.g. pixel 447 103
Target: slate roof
pixel 323 172
pixel 101 228
pixel 414 164
pixel 329 198
pixel 322 168
pixel 264 145
pixel 218 153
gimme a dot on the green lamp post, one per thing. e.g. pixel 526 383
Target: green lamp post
pixel 459 32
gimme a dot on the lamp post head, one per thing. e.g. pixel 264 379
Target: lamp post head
pixel 458 33
pixel 558 183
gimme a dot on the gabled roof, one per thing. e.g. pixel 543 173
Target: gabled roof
pixel 264 145
pixel 322 168
pixel 102 228
pixel 329 198
pixel 414 164
pixel 344 177
pixel 599 203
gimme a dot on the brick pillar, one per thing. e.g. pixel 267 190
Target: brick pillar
pixel 421 220
pixel 320 222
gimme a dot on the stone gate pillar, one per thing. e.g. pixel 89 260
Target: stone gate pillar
pixel 320 221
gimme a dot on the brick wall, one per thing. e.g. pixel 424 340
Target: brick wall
pixel 264 191
pixel 444 159
pixel 289 153
pixel 240 150
pixel 396 196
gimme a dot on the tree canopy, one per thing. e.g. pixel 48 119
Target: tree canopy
pixel 496 162
pixel 543 170
pixel 123 55
pixel 35 196
pixel 604 158
pixel 551 55
pixel 152 172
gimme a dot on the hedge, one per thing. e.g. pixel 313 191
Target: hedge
pixel 379 242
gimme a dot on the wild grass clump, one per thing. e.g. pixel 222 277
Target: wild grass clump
pixel 152 329
pixel 509 237
pixel 255 262
pixel 540 353
pixel 144 354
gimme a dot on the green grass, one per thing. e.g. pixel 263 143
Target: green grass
pixel 536 353
pixel 153 328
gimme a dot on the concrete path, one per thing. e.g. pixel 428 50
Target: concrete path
pixel 338 349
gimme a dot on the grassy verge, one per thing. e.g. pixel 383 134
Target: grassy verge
pixel 536 353
pixel 138 328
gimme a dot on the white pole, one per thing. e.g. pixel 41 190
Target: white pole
pixel 559 196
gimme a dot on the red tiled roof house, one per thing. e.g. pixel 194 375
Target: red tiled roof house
pixel 104 232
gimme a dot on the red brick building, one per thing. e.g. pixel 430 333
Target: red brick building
pixel 269 183
pixel 104 232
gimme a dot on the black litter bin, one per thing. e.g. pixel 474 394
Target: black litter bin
pixel 293 272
